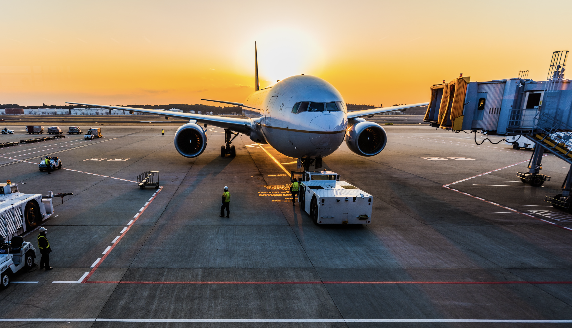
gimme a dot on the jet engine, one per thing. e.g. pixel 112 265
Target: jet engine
pixel 190 140
pixel 366 138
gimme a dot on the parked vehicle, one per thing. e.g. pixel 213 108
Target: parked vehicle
pixel 7 131
pixel 33 129
pixel 55 163
pixel 93 133
pixel 74 130
pixel 15 256
pixel 54 130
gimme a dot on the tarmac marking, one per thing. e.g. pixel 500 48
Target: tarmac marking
pixel 448 186
pixel 97 262
pixel 340 320
pixel 274 159
pixel 130 222
pixel 24 282
pixel 106 250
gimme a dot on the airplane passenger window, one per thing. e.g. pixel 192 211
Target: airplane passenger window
pixel 316 107
pixel 482 102
pixel 332 107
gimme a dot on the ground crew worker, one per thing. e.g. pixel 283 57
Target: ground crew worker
pixel 294 190
pixel 45 250
pixel 162 131
pixel 225 202
pixel 48 166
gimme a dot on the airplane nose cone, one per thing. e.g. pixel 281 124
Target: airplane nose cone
pixel 327 122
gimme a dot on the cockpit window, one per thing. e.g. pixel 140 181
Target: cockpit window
pixel 300 107
pixel 316 107
pixel 307 106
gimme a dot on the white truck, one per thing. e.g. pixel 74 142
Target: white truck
pixel 15 256
pixel 330 201
pixel 92 133
pixel 21 212
pixel 519 142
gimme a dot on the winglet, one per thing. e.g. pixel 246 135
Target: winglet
pixel 256 84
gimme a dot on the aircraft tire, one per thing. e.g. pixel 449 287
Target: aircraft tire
pixel 232 151
pixel 314 210
pixel 536 181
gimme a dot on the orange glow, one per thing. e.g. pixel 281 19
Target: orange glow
pixel 373 52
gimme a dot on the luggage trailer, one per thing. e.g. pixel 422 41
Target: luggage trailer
pixel 330 201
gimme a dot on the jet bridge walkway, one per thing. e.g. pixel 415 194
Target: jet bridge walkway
pixel 538 110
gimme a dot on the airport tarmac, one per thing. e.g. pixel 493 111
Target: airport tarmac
pixel 456 239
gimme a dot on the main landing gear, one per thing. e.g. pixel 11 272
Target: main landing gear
pixel 227 149
pixel 533 176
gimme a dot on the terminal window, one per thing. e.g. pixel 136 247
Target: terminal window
pixel 482 102
pixel 533 100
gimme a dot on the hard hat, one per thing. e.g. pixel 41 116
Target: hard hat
pixel 225 188
pixel 42 229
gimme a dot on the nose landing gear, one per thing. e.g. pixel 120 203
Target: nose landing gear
pixel 228 149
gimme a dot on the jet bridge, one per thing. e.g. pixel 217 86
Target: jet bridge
pixel 539 110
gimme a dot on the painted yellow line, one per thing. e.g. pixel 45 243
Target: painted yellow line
pixel 275 160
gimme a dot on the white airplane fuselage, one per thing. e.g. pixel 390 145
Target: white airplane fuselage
pixel 301 116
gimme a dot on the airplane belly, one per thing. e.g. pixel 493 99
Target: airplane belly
pixel 300 144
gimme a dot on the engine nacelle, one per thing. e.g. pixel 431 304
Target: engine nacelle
pixel 190 140
pixel 366 138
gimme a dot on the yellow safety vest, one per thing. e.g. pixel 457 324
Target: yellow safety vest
pixel 295 186
pixel 41 236
pixel 226 196
pixel 47 161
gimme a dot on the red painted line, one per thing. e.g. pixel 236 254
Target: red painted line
pixel 85 280
pixel 334 282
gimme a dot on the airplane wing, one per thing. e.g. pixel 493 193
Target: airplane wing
pixel 373 111
pixel 235 124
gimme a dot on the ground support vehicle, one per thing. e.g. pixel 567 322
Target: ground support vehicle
pixel 330 201
pixel 519 142
pixel 7 131
pixel 148 178
pixel 54 130
pixel 33 129
pixel 55 163
pixel 74 130
pixel 15 256
pixel 93 133
pixel 21 212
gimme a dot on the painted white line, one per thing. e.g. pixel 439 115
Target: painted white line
pixel 507 321
pixel 141 209
pixel 95 263
pixel 115 240
pixel 106 250
pixel 82 277
pixel 24 282
pixel 136 215
pixel 130 223
pixel 122 231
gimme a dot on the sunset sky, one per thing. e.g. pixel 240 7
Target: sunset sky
pixel 373 52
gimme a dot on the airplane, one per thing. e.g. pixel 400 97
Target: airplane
pixel 302 117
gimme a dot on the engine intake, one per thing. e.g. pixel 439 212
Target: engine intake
pixel 366 138
pixel 190 140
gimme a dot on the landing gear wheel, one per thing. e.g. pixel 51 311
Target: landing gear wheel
pixel 515 146
pixel 5 280
pixel 29 262
pixel 314 210
pixel 536 181
pixel 32 215
pixel 222 151
pixel 232 151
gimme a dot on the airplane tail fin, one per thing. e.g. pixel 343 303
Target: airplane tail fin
pixel 256 84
